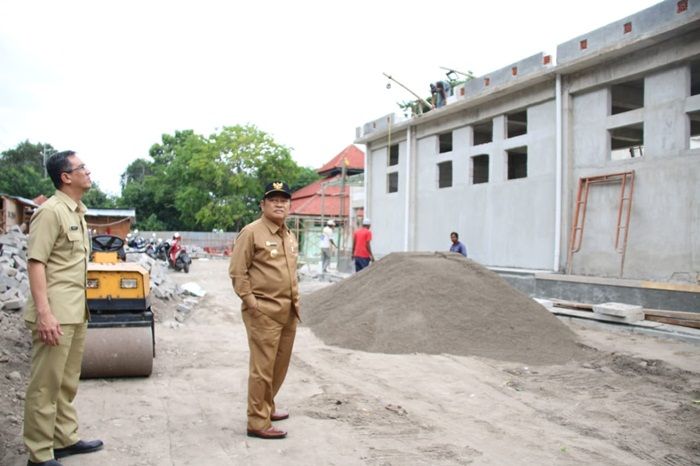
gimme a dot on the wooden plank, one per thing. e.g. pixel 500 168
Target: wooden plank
pixel 571 304
pixel 673 314
pixel 669 320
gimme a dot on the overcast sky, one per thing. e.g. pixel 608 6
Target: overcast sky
pixel 108 79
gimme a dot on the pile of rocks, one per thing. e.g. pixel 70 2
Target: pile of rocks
pixel 164 288
pixel 14 281
pixel 15 342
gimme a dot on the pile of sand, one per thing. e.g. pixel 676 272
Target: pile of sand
pixel 437 303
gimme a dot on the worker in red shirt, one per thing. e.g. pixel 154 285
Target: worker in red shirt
pixel 361 248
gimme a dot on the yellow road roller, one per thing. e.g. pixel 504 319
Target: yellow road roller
pixel 120 339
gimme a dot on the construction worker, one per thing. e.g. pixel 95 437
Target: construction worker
pixel 457 246
pixel 326 244
pixel 263 270
pixel 361 246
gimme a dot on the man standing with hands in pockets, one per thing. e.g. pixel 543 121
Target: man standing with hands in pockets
pixel 263 270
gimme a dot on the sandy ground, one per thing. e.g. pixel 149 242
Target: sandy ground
pixel 631 402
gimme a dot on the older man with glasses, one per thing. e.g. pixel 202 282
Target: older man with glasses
pixel 263 269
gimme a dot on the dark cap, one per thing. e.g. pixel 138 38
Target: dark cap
pixel 277 187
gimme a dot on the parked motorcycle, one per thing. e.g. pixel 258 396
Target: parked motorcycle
pixel 161 250
pixel 135 242
pixel 178 258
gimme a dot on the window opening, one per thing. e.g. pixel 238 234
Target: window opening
pixel 392 182
pixel 516 124
pixel 626 96
pixel 517 163
pixel 694 139
pixel 480 169
pixel 445 174
pixel 695 78
pixel 627 142
pixel 393 155
pixel 483 132
pixel 445 142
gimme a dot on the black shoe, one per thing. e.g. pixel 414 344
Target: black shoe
pixel 44 463
pixel 81 447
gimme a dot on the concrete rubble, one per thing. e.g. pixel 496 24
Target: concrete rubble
pixel 14 280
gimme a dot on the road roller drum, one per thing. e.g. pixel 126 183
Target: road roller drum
pixel 120 340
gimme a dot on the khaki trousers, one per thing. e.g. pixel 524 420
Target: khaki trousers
pixel 50 419
pixel 270 346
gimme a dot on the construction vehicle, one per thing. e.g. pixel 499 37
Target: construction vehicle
pixel 120 339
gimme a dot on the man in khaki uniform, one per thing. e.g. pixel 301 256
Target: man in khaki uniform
pixel 57 314
pixel 263 269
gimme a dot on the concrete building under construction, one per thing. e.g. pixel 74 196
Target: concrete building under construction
pixel 587 164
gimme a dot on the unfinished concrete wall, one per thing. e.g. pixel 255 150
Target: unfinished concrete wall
pixel 386 210
pixel 511 222
pixel 664 223
pixel 503 222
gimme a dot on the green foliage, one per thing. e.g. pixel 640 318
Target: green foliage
pixel 191 182
pixel 201 183
pixel 96 199
pixel 22 171
pixel 152 224
pixel 136 171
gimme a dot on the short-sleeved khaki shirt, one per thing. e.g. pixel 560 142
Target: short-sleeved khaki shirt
pixel 263 269
pixel 58 238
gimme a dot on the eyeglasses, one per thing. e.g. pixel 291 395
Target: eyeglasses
pixel 76 169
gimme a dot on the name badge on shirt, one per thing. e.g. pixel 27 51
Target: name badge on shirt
pixel 73 228
pixel 271 243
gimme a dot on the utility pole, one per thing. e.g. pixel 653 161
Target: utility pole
pixel 343 172
pixel 44 154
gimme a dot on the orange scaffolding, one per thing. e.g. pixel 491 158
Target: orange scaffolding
pixel 624 210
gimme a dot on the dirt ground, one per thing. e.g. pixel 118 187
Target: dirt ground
pixel 633 400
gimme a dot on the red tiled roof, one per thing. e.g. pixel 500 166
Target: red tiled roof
pixel 308 200
pixel 354 156
pixel 312 206
pixel 315 188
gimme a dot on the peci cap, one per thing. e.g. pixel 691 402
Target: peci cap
pixel 277 187
pixel 366 222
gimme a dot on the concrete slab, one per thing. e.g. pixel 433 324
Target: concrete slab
pixel 631 312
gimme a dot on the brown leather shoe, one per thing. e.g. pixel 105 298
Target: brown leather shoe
pixel 271 432
pixel 279 415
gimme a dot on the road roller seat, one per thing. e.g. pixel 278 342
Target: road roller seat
pixel 107 249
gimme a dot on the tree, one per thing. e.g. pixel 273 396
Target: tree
pixel 201 183
pixel 136 171
pixel 95 198
pixel 22 171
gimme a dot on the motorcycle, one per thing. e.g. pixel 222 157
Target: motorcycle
pixel 178 258
pixel 135 242
pixel 161 250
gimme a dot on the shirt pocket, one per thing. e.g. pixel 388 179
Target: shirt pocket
pixel 75 238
